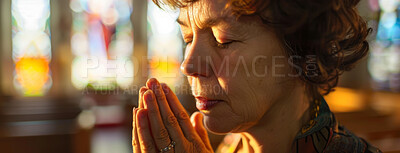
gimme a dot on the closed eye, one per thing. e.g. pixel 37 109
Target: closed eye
pixel 221 41
pixel 224 45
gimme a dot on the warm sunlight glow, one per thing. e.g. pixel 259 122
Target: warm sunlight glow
pixel 345 100
pixel 32 75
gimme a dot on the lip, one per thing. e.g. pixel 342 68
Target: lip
pixel 204 104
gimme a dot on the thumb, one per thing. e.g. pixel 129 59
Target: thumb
pixel 197 122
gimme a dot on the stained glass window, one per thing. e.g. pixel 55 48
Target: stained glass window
pixel 102 43
pixel 165 45
pixel 31 51
pixel 384 62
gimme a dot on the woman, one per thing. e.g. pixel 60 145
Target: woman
pixel 257 69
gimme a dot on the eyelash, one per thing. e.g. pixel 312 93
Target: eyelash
pixel 223 45
pixel 218 44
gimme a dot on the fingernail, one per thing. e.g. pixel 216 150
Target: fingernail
pixel 151 83
pixel 154 84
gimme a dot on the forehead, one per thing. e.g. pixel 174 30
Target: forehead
pixel 204 12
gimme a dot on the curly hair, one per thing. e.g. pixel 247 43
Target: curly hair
pixel 331 30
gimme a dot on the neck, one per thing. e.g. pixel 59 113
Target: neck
pixel 277 129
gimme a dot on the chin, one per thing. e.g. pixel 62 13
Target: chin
pixel 219 126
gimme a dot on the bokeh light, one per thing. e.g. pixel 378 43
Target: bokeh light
pixel 165 45
pixel 384 62
pixel 31 46
pixel 102 37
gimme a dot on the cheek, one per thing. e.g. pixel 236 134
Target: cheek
pixel 247 100
pixel 252 91
pixel 250 87
pixel 253 101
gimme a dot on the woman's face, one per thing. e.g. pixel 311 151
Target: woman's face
pixel 237 68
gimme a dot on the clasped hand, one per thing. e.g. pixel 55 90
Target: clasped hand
pixel 160 120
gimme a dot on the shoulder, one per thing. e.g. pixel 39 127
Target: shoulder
pixel 328 136
pixel 343 140
pixel 334 139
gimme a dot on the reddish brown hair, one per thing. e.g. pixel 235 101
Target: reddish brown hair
pixel 332 30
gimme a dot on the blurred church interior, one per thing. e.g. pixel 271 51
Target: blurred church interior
pixel 70 72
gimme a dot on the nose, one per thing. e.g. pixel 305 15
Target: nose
pixel 195 61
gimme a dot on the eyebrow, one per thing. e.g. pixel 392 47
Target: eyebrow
pixel 209 22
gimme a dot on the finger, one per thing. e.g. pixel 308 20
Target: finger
pixel 158 130
pixel 155 86
pixel 145 138
pixel 141 92
pixel 135 139
pixel 170 119
pixel 197 122
pixel 180 113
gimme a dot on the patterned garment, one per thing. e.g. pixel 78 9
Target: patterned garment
pixel 326 136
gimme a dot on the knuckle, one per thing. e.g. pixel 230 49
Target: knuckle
pixel 162 139
pixel 190 138
pixel 163 132
pixel 153 112
pixel 171 120
pixel 196 147
pixel 182 116
pixel 163 135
